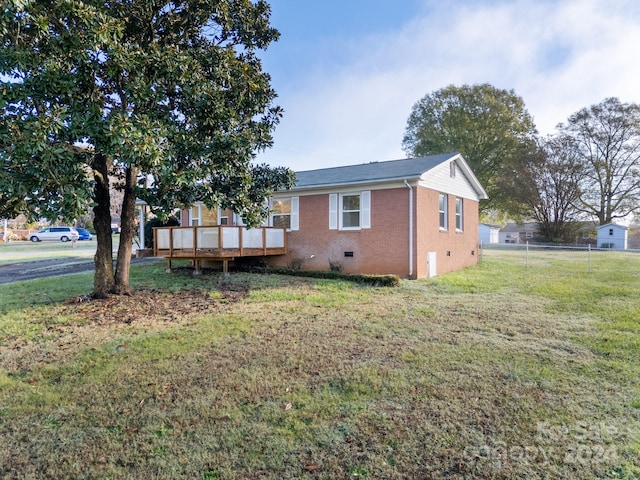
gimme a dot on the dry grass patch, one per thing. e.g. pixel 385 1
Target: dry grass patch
pixel 468 376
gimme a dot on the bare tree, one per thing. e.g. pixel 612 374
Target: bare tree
pixel 607 136
pixel 547 188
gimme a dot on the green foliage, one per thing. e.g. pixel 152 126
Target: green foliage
pixel 489 126
pixel 171 96
pixel 547 188
pixel 333 274
pixel 156 222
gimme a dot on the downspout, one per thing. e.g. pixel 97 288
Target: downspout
pixel 141 228
pixel 410 228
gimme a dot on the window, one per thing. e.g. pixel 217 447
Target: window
pixel 442 210
pixel 223 216
pixel 195 214
pixel 350 211
pixel 284 213
pixel 611 231
pixel 459 216
pixel 281 213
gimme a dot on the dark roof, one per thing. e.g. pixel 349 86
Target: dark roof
pixel 371 172
pixel 520 227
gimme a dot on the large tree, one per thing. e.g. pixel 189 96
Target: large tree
pixel 489 126
pixel 607 136
pixel 548 188
pixel 167 97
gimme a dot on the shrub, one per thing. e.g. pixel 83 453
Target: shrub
pixel 335 266
pixel 369 280
pixel 156 222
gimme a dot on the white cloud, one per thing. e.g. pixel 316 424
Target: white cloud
pixel 558 56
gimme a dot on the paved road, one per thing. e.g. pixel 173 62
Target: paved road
pixel 17 272
pixel 29 270
pixel 26 261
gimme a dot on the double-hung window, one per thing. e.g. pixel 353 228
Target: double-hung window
pixel 350 211
pixel 284 213
pixel 223 217
pixel 195 215
pixel 459 215
pixel 442 211
pixel 281 213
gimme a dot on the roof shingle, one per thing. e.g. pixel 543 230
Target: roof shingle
pixel 371 172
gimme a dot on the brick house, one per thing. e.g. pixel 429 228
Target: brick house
pixel 415 218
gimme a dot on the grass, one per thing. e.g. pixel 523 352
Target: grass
pixel 510 369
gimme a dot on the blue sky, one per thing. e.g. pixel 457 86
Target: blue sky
pixel 348 72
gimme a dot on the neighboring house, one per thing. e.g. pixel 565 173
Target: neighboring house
pixel 521 233
pixel 414 218
pixel 488 233
pixel 518 233
pixel 612 236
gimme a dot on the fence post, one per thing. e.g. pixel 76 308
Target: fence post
pixel 589 249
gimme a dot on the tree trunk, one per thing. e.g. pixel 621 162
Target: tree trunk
pixel 127 232
pixel 103 280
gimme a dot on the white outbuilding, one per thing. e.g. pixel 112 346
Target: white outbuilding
pixel 612 236
pixel 488 233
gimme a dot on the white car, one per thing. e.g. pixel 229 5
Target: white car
pixel 62 234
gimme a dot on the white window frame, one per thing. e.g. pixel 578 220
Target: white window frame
pixel 294 216
pixel 459 214
pixel 220 217
pixel 443 211
pixel 342 211
pixel 195 221
pixel 336 210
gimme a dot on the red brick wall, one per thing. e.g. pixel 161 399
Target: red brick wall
pixel 382 249
pixel 454 250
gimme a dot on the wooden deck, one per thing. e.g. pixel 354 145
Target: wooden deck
pixel 218 243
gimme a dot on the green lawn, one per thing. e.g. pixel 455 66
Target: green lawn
pixel 505 370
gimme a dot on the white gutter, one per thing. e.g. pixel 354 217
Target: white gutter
pixel 410 228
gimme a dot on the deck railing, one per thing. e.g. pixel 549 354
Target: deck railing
pixel 218 242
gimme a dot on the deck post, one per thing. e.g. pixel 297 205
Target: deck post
pixel 197 270
pixel 225 267
pixel 195 240
pixel 264 241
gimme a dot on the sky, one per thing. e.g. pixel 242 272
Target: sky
pixel 347 72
